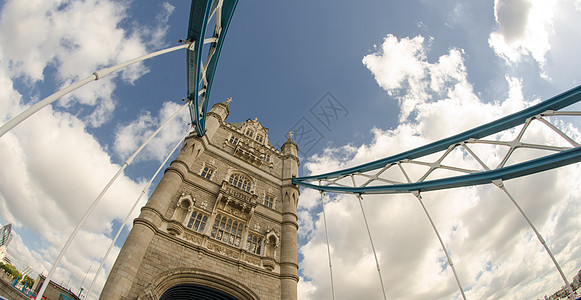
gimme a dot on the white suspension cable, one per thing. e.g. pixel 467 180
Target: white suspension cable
pixel 131 212
pixel 328 247
pixel 94 204
pixel 500 185
pixel 360 198
pixel 419 197
pixel 94 77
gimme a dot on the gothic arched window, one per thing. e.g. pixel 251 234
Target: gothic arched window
pixel 268 201
pixel 233 140
pixel 207 172
pixel 197 221
pixel 240 181
pixel 254 243
pixel 227 230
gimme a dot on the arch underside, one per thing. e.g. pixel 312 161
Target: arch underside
pixel 197 284
pixel 194 291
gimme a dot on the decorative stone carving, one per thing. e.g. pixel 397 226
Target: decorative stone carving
pixel 148 294
pixel 192 237
pixel 224 250
pixel 268 263
pixel 272 243
pixel 183 207
pixel 175 228
pixel 246 152
pixel 237 202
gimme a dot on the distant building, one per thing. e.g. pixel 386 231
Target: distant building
pixel 5 238
pixel 54 291
pixel 6 235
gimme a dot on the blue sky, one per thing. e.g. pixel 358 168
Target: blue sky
pixel 400 73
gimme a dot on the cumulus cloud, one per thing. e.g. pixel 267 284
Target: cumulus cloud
pixel 76 38
pixel 131 136
pixel 495 252
pixel 524 28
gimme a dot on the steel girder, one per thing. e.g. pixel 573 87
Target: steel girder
pixel 200 73
pixel 369 178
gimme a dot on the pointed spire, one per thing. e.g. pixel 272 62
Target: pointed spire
pixel 289 142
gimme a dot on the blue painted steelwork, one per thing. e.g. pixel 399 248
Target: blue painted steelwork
pixel 538 165
pixel 200 77
pixel 514 171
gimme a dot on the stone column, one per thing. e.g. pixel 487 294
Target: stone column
pixel 124 271
pixel 288 250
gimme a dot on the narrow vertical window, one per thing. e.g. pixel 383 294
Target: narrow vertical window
pixel 259 138
pixel 254 243
pixel 268 201
pixel 207 172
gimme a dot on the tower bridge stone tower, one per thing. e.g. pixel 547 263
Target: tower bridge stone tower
pixel 221 224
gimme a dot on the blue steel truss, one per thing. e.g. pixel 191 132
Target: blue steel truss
pixel 343 181
pixel 201 74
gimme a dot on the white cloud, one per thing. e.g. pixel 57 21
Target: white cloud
pixel 52 168
pixel 524 28
pixel 495 252
pixel 131 136
pixel 77 38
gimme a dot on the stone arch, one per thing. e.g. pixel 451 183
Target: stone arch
pixel 272 243
pixel 184 206
pixel 197 277
pixel 238 178
pixel 194 291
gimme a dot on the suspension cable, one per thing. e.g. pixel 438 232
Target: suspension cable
pixel 360 198
pixel 94 204
pixel 93 77
pixel 419 197
pixel 328 247
pixel 500 185
pixel 145 188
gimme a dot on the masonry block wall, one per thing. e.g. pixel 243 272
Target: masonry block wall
pixel 223 216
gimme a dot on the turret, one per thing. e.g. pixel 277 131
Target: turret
pixel 290 192
pixel 216 117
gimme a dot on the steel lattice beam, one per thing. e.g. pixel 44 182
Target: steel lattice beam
pixel 201 74
pixel 485 175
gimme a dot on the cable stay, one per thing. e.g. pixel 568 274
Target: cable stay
pixel 419 197
pixel 328 246
pixel 360 198
pixel 94 77
pixel 501 186
pixel 145 188
pixel 96 201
